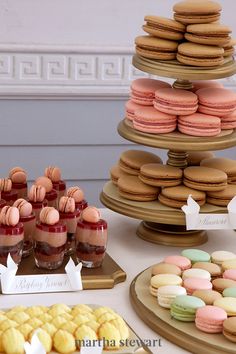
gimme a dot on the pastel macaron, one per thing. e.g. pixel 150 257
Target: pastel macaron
pixel 182 262
pixel 230 274
pixel 24 207
pixel 208 296
pixel 220 257
pixel 18 175
pixel 149 120
pixel 210 319
pixel 197 85
pixel 166 268
pixel 49 216
pixel 220 284
pixel 166 294
pixel 175 101
pixel 228 121
pixel 200 55
pixel 193 284
pixel 212 268
pixel 196 255
pixel 229 292
pixel 198 124
pixel 218 102
pixel 205 178
pixel 200 11
pixel 10 216
pixel 156 48
pixel 229 329
pixel 132 188
pixel 162 27
pixel 229 264
pixel 176 197
pixel 196 273
pixel 130 107
pixel 184 308
pixel 228 304
pixel 143 90
pixel 160 175
pixel 163 279
pixel 131 161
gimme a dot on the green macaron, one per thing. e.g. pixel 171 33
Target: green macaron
pixel 184 307
pixel 229 292
pixel 196 255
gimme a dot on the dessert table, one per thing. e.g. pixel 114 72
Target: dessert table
pixel 133 255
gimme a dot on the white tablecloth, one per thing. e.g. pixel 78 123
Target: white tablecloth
pixel 133 255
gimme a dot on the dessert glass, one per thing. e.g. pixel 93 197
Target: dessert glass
pixel 81 205
pixel 49 245
pixel 29 229
pixel 60 187
pixel 11 241
pixel 20 189
pixel 51 198
pixel 70 219
pixel 10 197
pixel 91 242
pixel 37 207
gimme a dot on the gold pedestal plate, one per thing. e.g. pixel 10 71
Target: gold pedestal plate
pixel 164 225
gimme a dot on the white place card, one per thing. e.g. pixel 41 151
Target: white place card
pixel 35 347
pixel 200 221
pixel 40 283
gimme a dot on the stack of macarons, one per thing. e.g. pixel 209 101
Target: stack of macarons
pixel 157 108
pixel 193 37
pixel 198 287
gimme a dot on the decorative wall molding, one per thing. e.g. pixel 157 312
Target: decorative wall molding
pixel 67 72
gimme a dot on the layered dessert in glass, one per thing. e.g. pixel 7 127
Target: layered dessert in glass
pixel 49 239
pixel 18 177
pixel 7 193
pixel 51 194
pixel 37 199
pixel 11 235
pixel 78 195
pixel 54 174
pixel 27 218
pixel 91 238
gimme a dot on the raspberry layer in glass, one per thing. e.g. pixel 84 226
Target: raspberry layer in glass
pixel 70 219
pixel 51 198
pixel 81 205
pixel 91 241
pixel 37 207
pixel 49 245
pixel 29 229
pixel 60 187
pixel 10 197
pixel 11 241
pixel 20 189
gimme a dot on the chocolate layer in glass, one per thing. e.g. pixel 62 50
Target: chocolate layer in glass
pixel 49 245
pixel 91 242
pixel 20 189
pixel 29 229
pixel 10 197
pixel 70 219
pixel 11 241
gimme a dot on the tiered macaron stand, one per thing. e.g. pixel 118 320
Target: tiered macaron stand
pixel 165 225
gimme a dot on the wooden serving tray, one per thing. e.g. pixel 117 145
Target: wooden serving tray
pixel 183 334
pixel 104 277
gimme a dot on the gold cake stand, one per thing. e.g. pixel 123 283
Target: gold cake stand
pixel 163 225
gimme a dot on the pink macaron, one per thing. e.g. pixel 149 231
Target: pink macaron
pixel 197 85
pixel 216 101
pixel 143 90
pixel 230 274
pixel 210 319
pixel 182 262
pixel 193 284
pixel 229 121
pixel 199 124
pixel 175 101
pixel 130 107
pixel 148 119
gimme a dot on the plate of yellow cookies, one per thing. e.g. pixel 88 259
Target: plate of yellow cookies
pixel 64 329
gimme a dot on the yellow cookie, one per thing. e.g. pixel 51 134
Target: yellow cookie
pixel 34 322
pixel 34 311
pixel 57 309
pixel 45 317
pixel 106 317
pixel 7 324
pixel 110 335
pixel 19 308
pixel 44 338
pixel 66 316
pixel 25 329
pixel 1 346
pixel 20 317
pixel 84 333
pixel 64 342
pixel 101 310
pixel 49 328
pixel 81 310
pixel 13 341
pixel 58 321
pixel 69 327
pixel 93 324
pixel 2 318
pixel 80 319
pixel 122 327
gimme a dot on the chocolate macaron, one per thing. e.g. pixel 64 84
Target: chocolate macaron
pixel 224 164
pixel 132 160
pixel 205 178
pixel 222 198
pixel 200 55
pixel 130 187
pixel 115 173
pixel 195 157
pixel 164 28
pixel 156 48
pixel 176 197
pixel 210 34
pixel 161 175
pixel 200 11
